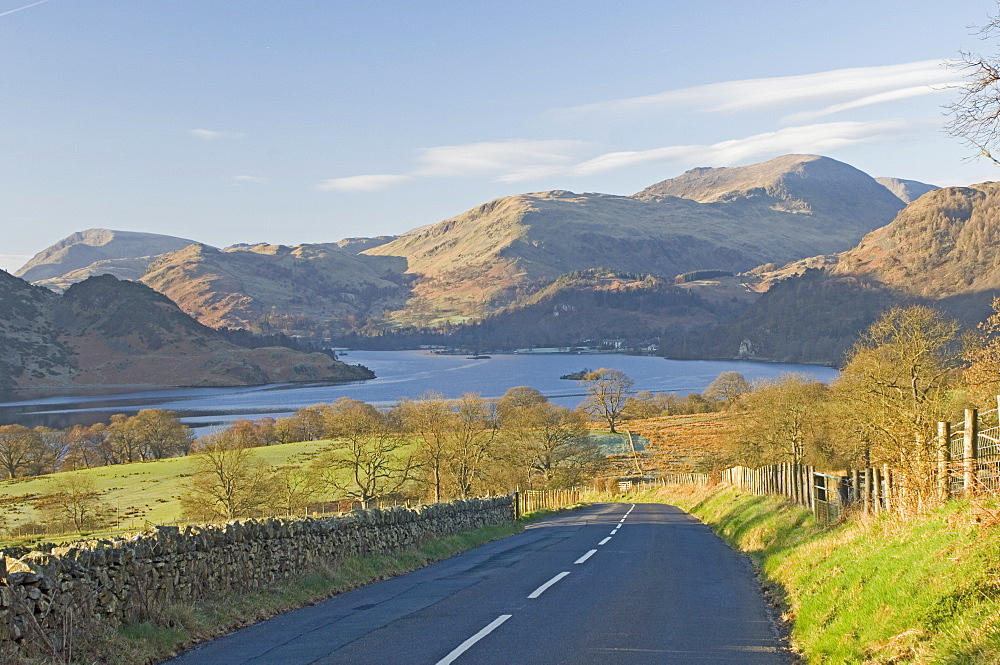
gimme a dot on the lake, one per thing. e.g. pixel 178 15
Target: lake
pixel 399 374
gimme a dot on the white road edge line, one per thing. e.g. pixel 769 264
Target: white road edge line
pixel 605 540
pixel 464 646
pixel 586 556
pixel 540 590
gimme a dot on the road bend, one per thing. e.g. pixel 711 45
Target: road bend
pixel 609 584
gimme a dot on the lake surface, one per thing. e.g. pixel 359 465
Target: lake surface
pixel 399 374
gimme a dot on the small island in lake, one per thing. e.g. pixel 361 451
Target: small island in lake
pixel 576 376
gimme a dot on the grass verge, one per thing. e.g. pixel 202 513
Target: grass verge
pixel 883 590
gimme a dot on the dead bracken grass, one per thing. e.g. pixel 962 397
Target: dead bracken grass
pixel 684 443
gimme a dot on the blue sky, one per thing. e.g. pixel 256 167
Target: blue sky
pixel 311 121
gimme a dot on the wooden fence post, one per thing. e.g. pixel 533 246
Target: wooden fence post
pixel 889 493
pixel 878 490
pixel 867 497
pixel 944 457
pixel 811 475
pixel 854 495
pixel 970 440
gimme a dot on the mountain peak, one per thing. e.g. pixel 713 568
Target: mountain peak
pixel 807 184
pixel 712 184
pixel 85 248
pixel 907 190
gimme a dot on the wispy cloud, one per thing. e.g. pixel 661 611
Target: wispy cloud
pixel 21 9
pixel 213 135
pixel 524 160
pixel 749 94
pixel 513 160
pixel 818 138
pixel 882 97
pixel 363 183
pixel 249 179
pixel 502 159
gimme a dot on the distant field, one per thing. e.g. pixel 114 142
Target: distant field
pixel 146 493
pixel 140 493
pixel 617 444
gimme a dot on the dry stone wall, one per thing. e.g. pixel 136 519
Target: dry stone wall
pixel 126 579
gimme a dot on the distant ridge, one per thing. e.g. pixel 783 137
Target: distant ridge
pixel 942 250
pixel 513 253
pixel 87 252
pixel 907 190
pixel 106 332
pixel 496 254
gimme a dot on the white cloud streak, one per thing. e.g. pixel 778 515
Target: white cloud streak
pixel 818 138
pixel 514 160
pixel 882 97
pixel 21 9
pixel 213 135
pixel 249 179
pixel 363 183
pixel 749 94
pixel 498 158
pixel 524 160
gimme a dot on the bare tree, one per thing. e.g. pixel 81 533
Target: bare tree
pixel 431 418
pixel 726 388
pixel 16 443
pixel 368 458
pixel 782 420
pixel 230 480
pixel 161 433
pixel 899 378
pixel 975 117
pixel 75 504
pixel 470 448
pixel 607 391
pixel 295 487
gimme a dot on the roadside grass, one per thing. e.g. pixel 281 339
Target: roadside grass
pixel 175 627
pixel 882 590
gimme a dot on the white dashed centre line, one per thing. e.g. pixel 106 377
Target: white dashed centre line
pixel 605 540
pixel 586 556
pixel 464 646
pixel 540 590
pixel 614 531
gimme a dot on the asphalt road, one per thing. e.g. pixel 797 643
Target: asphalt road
pixel 605 585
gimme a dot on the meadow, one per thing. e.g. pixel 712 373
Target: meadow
pixel 143 494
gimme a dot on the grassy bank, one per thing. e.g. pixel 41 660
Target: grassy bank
pixel 881 590
pixel 177 626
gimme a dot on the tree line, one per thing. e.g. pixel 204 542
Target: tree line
pixel 911 369
pixel 148 435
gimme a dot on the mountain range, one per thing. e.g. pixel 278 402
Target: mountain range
pixel 504 255
pixel 736 251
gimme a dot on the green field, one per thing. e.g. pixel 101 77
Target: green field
pixel 141 493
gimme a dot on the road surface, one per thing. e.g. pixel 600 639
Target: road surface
pixel 609 584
